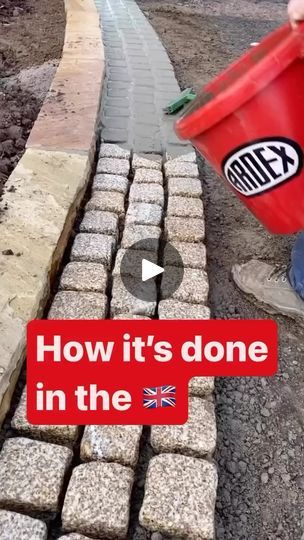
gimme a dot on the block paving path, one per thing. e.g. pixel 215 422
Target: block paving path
pixel 85 482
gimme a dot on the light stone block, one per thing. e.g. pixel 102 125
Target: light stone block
pixel 74 536
pixel 180 169
pixel 144 214
pixel 148 176
pixel 96 221
pixel 110 182
pixel 179 499
pixel 15 526
pixel 173 309
pixel 111 443
pixel 123 301
pixel 190 157
pixel 201 386
pixel 97 502
pixel 84 276
pixel 107 201
pixel 65 435
pixel 185 229
pixel 116 166
pixel 113 151
pixel 129 317
pixel 193 255
pixel 197 437
pixel 93 248
pixel 132 265
pixel 194 288
pixel 147 193
pixel 185 187
pixel 32 474
pixel 78 305
pixel 187 207
pixel 139 162
pixel 148 235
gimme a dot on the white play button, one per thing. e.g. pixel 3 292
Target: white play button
pixel 149 270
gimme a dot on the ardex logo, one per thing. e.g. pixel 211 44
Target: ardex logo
pixel 263 165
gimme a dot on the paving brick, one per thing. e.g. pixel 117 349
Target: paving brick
pixel 193 255
pixel 148 176
pixel 111 443
pixel 185 187
pixel 32 474
pixel 173 309
pixel 147 193
pixel 95 221
pixel 201 386
pixel 131 265
pixel 113 165
pixel 113 151
pixel 115 135
pixel 74 536
pixel 197 437
pixel 148 235
pixel 78 305
pixel 109 201
pixel 93 248
pixel 97 502
pixel 193 289
pixel 129 317
pixel 185 230
pixel 116 112
pixel 181 169
pixel 144 214
pixel 19 527
pixel 139 162
pixel 55 434
pixel 180 494
pixel 110 182
pixel 185 207
pixel 190 157
pixel 123 301
pixel 86 277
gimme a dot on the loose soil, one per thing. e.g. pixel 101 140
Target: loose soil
pixel 31 41
pixel 260 423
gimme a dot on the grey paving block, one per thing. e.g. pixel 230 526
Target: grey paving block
pixel 148 176
pixel 129 317
pixel 185 187
pixel 147 234
pixel 140 162
pixel 193 289
pixel 93 248
pixel 181 169
pixel 113 165
pixel 111 443
pixel 125 302
pixel 109 201
pixel 193 255
pixel 173 309
pixel 131 266
pixel 74 536
pixel 95 221
pixel 110 182
pixel 84 276
pixel 97 502
pixel 65 435
pixel 197 437
pixel 144 214
pixel 15 526
pixel 32 474
pixel 187 207
pixel 78 305
pixel 179 499
pixel 147 193
pixel 185 229
pixel 201 386
pixel 113 150
pixel 117 135
pixel 190 157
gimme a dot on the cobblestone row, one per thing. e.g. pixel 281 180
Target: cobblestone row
pixel 90 489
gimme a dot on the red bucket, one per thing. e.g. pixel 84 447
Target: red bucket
pixel 249 124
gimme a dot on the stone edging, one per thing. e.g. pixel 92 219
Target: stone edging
pixel 44 191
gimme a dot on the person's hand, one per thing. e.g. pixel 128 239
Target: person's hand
pixel 295 12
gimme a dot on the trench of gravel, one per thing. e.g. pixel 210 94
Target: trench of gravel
pixel 260 421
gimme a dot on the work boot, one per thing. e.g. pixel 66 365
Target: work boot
pixel 270 287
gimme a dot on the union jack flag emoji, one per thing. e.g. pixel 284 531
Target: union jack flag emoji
pixel 159 396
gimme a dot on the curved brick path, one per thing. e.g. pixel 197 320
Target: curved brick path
pixel 140 82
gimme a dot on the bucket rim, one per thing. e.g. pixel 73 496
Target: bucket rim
pixel 246 86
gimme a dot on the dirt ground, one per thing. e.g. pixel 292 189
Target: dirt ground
pixel 31 42
pixel 260 422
